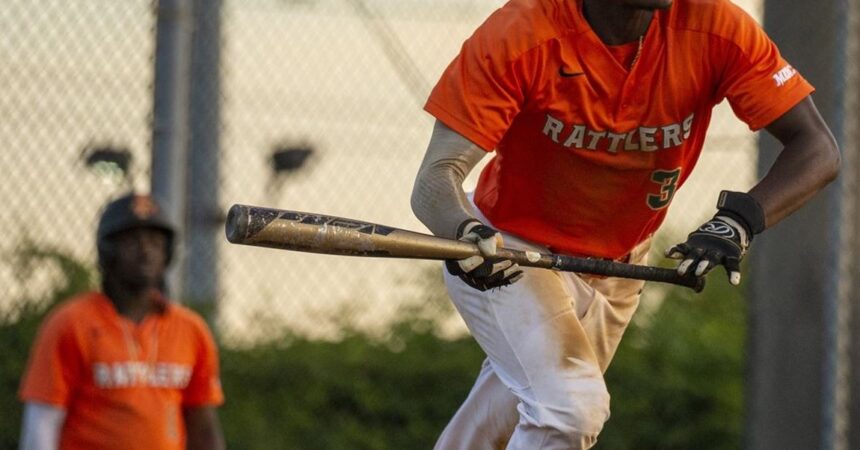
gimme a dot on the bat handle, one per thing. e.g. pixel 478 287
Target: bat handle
pixel 697 284
pixel 624 270
pixel 602 267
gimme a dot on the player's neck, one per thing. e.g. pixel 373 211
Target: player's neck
pixel 614 23
pixel 133 304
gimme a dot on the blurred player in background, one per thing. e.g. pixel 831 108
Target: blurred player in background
pixel 124 368
pixel 597 112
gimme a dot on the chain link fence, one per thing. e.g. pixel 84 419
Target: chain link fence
pixel 75 96
pixel 308 105
pixel 345 79
pixel 315 106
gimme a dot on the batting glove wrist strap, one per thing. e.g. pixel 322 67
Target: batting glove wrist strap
pixel 744 209
pixel 467 226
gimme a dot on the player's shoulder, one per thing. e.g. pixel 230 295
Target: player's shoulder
pixel 521 25
pixel 717 17
pixel 76 307
pixel 186 317
pixel 71 312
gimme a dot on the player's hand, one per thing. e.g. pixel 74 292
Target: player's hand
pixel 718 242
pixel 484 271
pixel 722 241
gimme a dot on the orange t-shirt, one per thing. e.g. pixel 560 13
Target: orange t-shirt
pixel 588 153
pixel 123 385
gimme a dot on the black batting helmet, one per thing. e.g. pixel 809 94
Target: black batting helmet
pixel 128 212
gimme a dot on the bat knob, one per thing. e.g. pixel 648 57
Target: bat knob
pixel 237 223
pixel 698 285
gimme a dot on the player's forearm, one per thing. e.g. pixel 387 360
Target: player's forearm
pixel 796 176
pixel 203 429
pixel 809 161
pixel 438 199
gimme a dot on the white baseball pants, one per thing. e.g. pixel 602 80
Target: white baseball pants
pixel 548 339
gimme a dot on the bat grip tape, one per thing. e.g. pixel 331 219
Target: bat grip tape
pixel 616 269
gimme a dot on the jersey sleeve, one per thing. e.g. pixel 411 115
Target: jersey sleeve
pixel 759 84
pixel 204 387
pixel 483 89
pixel 55 363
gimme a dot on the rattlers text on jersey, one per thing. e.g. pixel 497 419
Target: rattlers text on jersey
pixel 589 152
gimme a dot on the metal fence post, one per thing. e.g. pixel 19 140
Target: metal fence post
pixel 850 286
pixel 204 210
pixel 170 117
pixel 793 358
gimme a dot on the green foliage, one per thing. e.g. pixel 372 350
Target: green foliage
pixel 362 392
pixel 351 394
pixel 676 381
pixel 19 322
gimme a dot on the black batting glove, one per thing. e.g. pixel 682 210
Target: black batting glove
pixel 722 241
pixel 484 271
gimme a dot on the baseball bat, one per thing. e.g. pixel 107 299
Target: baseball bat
pixel 317 233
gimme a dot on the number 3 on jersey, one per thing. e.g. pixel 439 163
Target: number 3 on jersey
pixel 668 181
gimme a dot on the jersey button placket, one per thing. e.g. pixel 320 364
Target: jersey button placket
pixel 627 93
pixel 626 98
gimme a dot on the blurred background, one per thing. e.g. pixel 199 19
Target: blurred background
pixel 315 105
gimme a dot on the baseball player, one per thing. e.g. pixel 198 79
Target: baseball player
pixel 596 111
pixel 124 368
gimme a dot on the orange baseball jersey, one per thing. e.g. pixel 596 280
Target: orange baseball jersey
pixel 122 384
pixel 589 153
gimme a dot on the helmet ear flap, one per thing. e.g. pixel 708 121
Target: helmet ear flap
pixel 106 253
pixel 171 248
